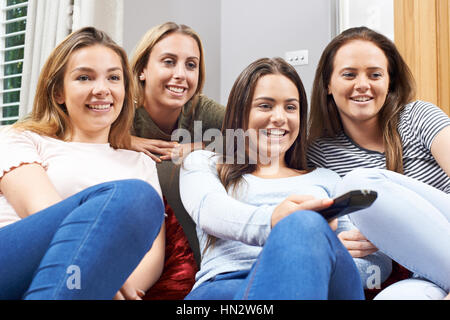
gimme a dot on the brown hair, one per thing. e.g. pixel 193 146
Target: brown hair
pixel 50 118
pixel 238 110
pixel 324 118
pixel 144 48
pixel 237 117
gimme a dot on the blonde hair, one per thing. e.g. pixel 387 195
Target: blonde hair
pixel 144 48
pixel 50 118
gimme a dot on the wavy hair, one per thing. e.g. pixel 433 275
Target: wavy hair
pixel 50 118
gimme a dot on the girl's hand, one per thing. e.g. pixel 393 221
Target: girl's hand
pixel 300 202
pixel 153 147
pixel 356 243
pixel 128 292
pixel 180 151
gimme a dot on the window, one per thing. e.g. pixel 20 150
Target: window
pixel 12 39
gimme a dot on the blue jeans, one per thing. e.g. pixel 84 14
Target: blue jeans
pixel 409 222
pixel 83 247
pixel 301 259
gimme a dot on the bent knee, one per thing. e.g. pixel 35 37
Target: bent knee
pixel 303 231
pixel 306 222
pixel 135 190
pixel 361 178
pixel 138 199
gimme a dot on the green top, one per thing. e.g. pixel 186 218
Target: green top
pixel 209 112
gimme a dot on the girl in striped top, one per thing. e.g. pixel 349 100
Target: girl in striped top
pixel 362 117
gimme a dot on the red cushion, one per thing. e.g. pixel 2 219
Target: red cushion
pixel 398 273
pixel 180 267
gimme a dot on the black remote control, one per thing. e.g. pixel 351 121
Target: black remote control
pixel 348 203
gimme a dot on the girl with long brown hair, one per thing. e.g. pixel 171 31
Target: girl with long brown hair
pixel 253 200
pixel 363 116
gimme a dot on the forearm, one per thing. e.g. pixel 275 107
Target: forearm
pixel 28 189
pixel 151 266
pixel 213 209
pixel 228 218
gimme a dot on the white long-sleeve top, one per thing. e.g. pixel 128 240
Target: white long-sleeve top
pixel 240 218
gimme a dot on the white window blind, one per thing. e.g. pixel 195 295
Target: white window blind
pixel 12 39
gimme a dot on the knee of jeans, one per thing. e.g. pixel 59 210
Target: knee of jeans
pixel 307 224
pixel 140 200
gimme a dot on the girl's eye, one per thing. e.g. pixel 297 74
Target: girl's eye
pixel 376 75
pixel 264 106
pixel 291 107
pixel 191 65
pixel 348 75
pixel 115 78
pixel 83 78
pixel 169 62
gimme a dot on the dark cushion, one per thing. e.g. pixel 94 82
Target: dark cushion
pixel 180 267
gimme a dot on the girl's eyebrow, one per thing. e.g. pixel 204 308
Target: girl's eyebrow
pixel 176 56
pixel 272 99
pixel 355 69
pixel 87 69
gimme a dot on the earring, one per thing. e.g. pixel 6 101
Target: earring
pixel 142 77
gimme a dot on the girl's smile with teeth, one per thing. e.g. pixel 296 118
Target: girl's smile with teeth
pixel 274 132
pixel 361 99
pixel 99 106
pixel 176 89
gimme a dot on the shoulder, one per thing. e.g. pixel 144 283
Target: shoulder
pixel 13 135
pixel 204 101
pixel 208 107
pixel 422 119
pixel 141 115
pixel 201 156
pixel 421 110
pixel 200 159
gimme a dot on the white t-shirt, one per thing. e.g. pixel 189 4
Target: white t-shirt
pixel 71 166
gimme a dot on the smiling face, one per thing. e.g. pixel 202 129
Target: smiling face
pixel 93 92
pixel 359 83
pixel 172 72
pixel 274 115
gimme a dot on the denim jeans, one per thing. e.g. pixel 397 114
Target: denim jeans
pixel 409 222
pixel 83 247
pixel 301 259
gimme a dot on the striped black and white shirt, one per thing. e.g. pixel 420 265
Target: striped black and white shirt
pixel 419 124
